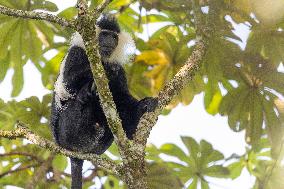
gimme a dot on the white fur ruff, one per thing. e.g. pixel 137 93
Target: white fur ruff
pixel 61 92
pixel 77 40
pixel 124 50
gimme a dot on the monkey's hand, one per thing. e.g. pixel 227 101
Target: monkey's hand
pixel 147 104
pixel 86 93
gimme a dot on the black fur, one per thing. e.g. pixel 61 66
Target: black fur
pixel 108 22
pixel 81 124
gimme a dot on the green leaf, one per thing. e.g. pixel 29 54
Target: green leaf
pixel 254 131
pixel 68 13
pixel 60 162
pixel 4 65
pixel 191 145
pixel 236 169
pixel 216 171
pixel 6 33
pixel 44 5
pixel 173 150
pixel 159 176
pixel 17 80
pixel 212 98
pixel 193 184
pixel 204 184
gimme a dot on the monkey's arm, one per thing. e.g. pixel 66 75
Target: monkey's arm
pixel 130 107
pixel 77 70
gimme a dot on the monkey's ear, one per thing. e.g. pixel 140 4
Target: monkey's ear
pixel 125 49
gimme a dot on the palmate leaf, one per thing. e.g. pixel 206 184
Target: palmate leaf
pixel 158 176
pixel 25 39
pixel 268 43
pixel 251 105
pixel 219 56
pixel 32 111
pixel 200 163
pixel 239 10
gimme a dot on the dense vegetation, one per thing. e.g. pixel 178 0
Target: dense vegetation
pixel 240 79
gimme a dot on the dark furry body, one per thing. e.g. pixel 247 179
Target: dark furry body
pixel 81 125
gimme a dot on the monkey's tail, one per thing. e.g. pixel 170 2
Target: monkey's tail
pixel 76 172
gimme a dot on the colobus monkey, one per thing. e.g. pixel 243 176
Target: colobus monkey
pixel 77 119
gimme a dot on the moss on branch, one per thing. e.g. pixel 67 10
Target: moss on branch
pixel 37 16
pixel 23 132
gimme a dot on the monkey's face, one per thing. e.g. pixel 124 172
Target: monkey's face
pixel 108 41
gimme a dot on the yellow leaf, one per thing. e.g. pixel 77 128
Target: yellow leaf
pixel 153 57
pixel 215 103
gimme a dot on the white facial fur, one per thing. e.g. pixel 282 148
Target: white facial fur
pixel 122 53
pixel 77 40
pixel 124 50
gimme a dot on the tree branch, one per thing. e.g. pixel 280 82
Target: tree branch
pixel 40 173
pixel 37 16
pixel 184 75
pixel 82 7
pixel 103 5
pixel 86 27
pixel 23 132
pixel 165 96
pixel 18 169
pixel 22 154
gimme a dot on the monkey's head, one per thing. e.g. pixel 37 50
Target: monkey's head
pixel 113 44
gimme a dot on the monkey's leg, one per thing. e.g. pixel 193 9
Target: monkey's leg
pixel 76 172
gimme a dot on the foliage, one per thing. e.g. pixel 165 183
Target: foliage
pixel 195 166
pixel 240 79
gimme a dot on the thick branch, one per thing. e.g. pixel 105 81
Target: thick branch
pixel 23 132
pixel 184 75
pixel 37 16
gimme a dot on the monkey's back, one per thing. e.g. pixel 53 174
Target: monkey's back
pixel 83 127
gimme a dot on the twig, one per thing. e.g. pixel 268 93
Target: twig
pixel 18 169
pixel 102 6
pixel 278 159
pixel 37 16
pixel 23 132
pixel 82 7
pixel 21 154
pixel 40 173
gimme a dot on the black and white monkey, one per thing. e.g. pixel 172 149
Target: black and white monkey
pixel 77 119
